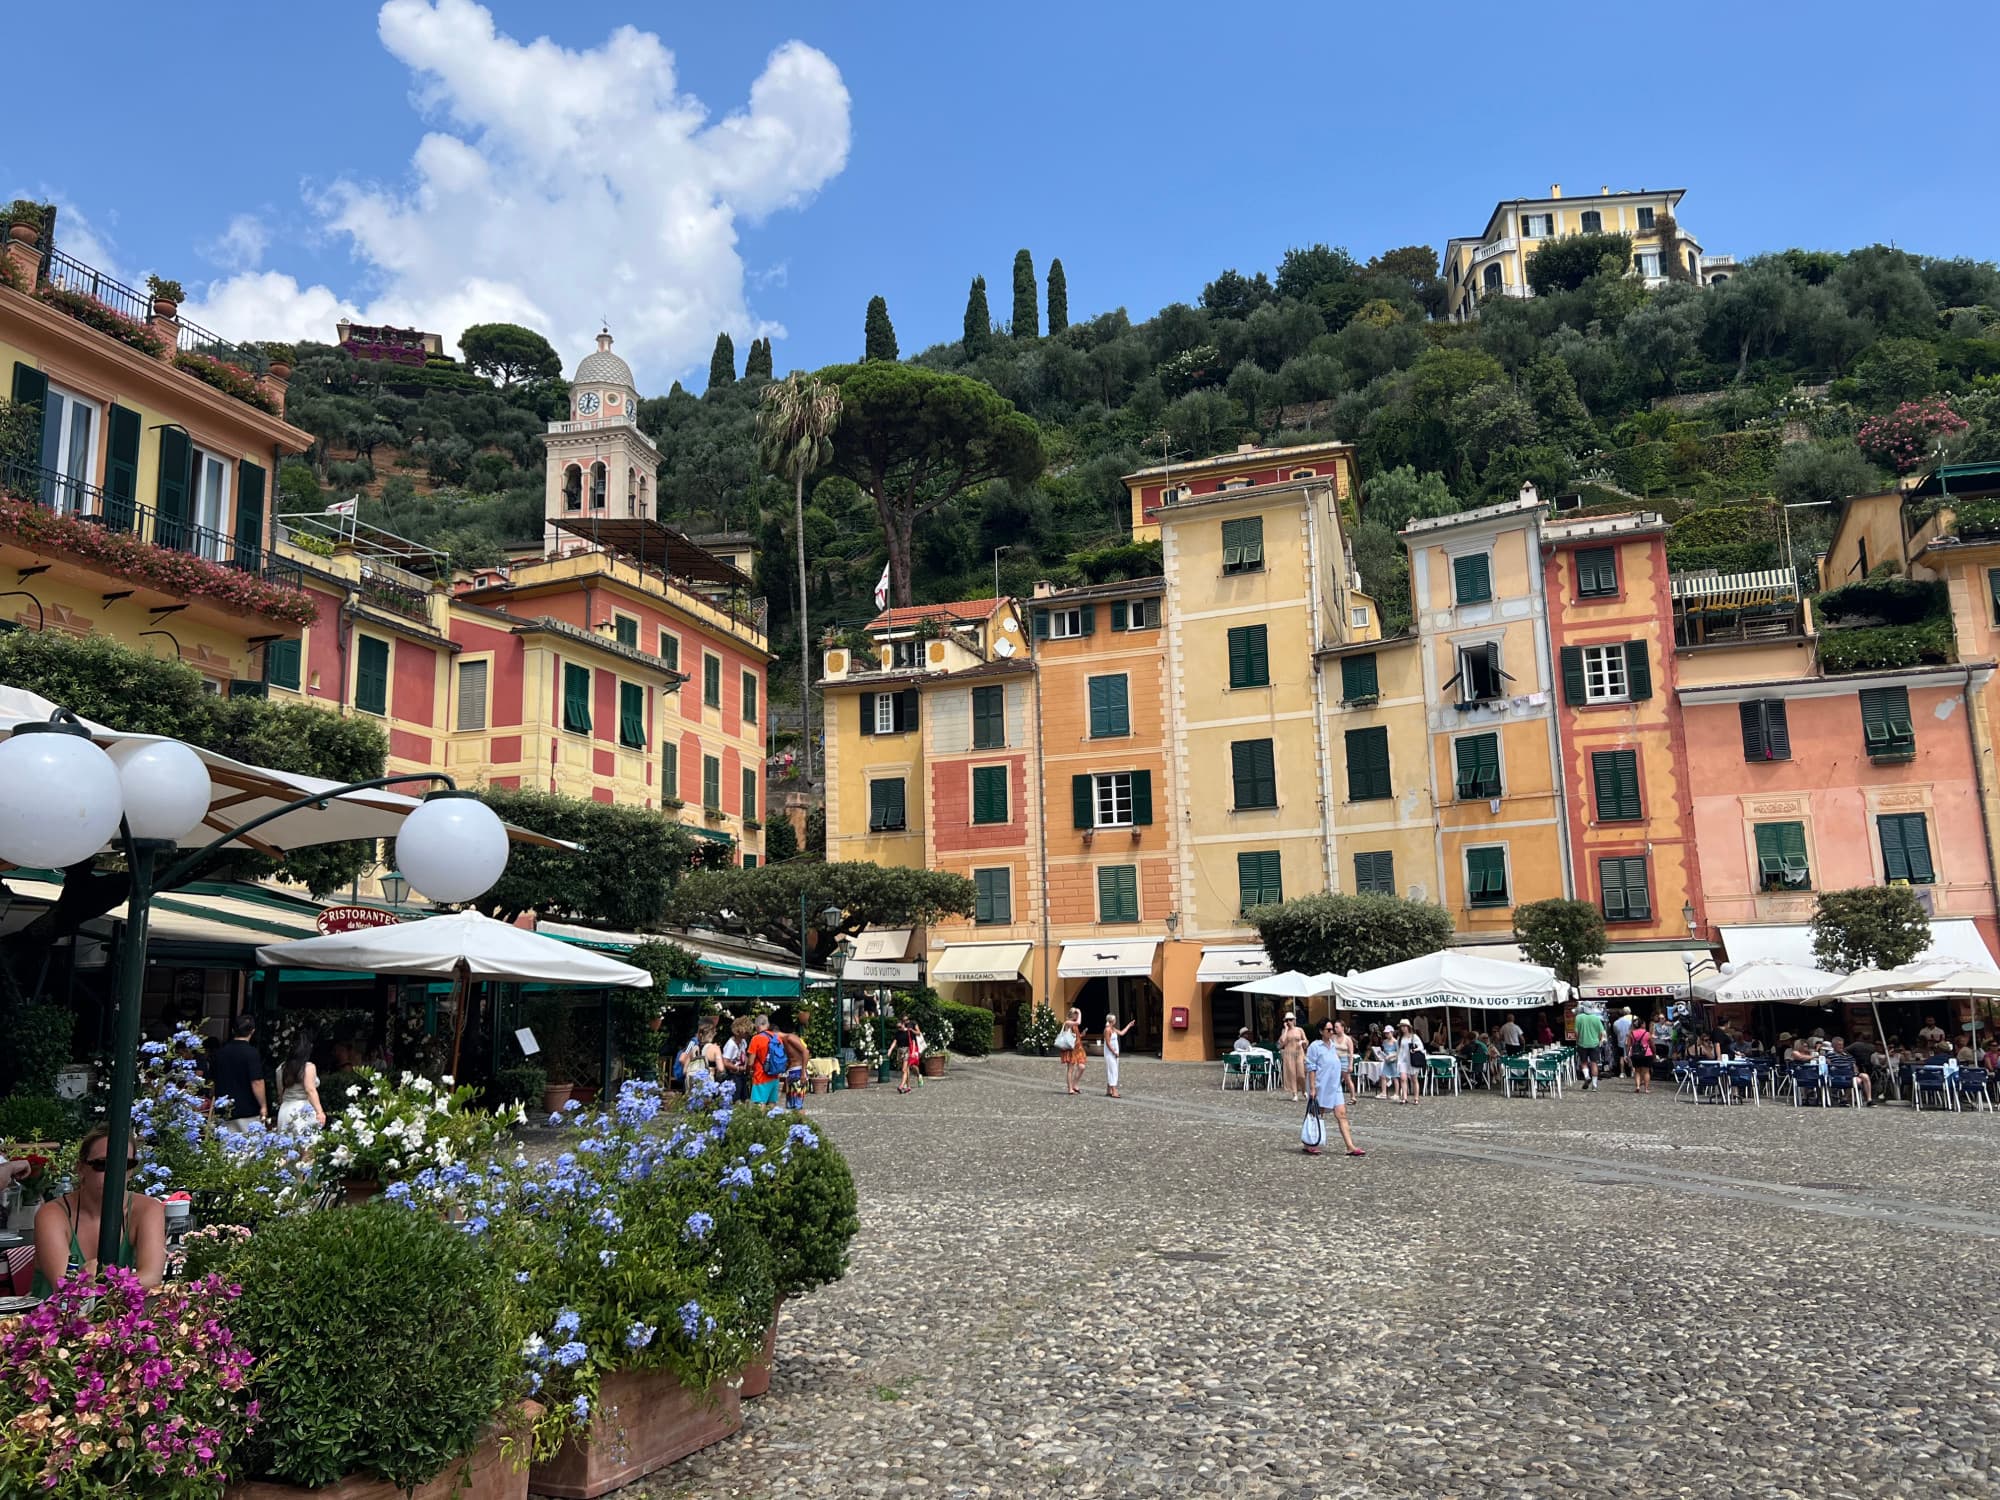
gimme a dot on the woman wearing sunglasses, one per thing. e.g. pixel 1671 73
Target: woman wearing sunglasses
pixel 66 1227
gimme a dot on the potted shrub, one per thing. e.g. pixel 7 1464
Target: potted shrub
pixel 807 1218
pixel 549 1019
pixel 868 1054
pixel 383 1359
pixel 157 1378
pixel 638 1287
pixel 389 1131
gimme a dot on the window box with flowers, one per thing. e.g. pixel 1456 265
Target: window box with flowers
pixel 231 380
pixel 751 825
pixel 714 814
pixel 138 561
pixel 87 310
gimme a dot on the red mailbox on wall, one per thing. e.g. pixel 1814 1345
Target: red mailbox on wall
pixel 1179 1018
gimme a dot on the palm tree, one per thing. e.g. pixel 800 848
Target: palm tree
pixel 794 437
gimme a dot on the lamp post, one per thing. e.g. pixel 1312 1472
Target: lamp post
pixel 63 799
pixel 830 919
pixel 395 886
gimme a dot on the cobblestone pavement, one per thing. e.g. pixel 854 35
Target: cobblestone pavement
pixel 1161 1296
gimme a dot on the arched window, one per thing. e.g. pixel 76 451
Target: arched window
pixel 642 494
pixel 597 486
pixel 572 488
pixel 631 492
pixel 1492 277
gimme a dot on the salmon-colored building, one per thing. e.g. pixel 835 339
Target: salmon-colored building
pixel 1624 758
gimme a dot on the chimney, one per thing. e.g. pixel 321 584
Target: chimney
pixel 1605 191
pixel 1555 190
pixel 1043 589
pixel 1246 447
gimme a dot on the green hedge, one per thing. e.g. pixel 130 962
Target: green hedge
pixel 1879 647
pixel 1892 601
pixel 971 1028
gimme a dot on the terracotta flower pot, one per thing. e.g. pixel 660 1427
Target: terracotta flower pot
pixel 584 1093
pixel 555 1096
pixel 24 233
pixel 165 307
pixel 932 1066
pixel 857 1075
pixel 280 370
pixel 645 1420
pixel 482 1475
pixel 757 1374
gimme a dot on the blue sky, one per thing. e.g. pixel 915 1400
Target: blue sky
pixel 904 148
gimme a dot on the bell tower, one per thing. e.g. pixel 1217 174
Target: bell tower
pixel 600 465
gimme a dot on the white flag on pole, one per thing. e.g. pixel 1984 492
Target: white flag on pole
pixel 882 589
pixel 347 507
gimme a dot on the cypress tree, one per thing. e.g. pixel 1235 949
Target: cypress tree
pixel 722 363
pixel 757 365
pixel 1027 316
pixel 978 321
pixel 1058 299
pixel 881 333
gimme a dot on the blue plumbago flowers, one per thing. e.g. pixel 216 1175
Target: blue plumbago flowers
pixel 802 1135
pixel 736 1178
pixel 694 1322
pixel 639 1335
pixel 521 1278
pixel 607 1220
pixel 698 1227
pixel 580 1408
pixel 572 1354
pixel 567 1322
pixel 606 1257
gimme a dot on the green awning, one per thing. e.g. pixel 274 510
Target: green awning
pixel 707 833
pixel 733 987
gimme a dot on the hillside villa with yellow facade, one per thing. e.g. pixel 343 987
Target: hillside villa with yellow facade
pixel 1494 262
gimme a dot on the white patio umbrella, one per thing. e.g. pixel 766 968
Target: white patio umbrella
pixel 1446 978
pixel 1973 983
pixel 461 947
pixel 1290 985
pixel 1757 980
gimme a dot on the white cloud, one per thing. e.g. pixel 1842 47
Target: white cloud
pixel 562 187
pixel 241 246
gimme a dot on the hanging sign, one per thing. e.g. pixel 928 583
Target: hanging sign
pixel 355 918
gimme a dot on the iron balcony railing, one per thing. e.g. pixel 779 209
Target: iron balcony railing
pixel 68 496
pixel 194 339
pixel 70 275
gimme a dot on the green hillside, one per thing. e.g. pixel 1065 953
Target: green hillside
pixel 1808 376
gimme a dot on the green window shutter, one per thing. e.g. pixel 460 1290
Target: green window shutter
pixel 1886 727
pixel 1120 614
pixel 1249 657
pixel 1756 744
pixel 992 896
pixel 627 629
pixel 711 681
pixel 989 794
pixel 1615 774
pixel 121 478
pixel 170 503
pixel 371 675
pixel 1375 872
pixel 711 781
pixel 1781 857
pixel 989 718
pixel 1638 671
pixel 1368 764
pixel 670 649
pixel 1082 807
pixel 576 699
pixel 1596 572
pixel 1572 674
pixel 1259 879
pixel 1118 893
pixel 749 794
pixel 1243 545
pixel 1993 590
pixel 1358 679
pixel 1254 771
pixel 1906 848
pixel 281 663
pixel 1472 579
pixel 670 770
pixel 1041 624
pixel 906 710
pixel 867 713
pixel 749 698
pixel 1087 619
pixel 1486 877
pixel 31 388
pixel 1626 896
pixel 249 516
pixel 1142 799
pixel 631 715
pixel 749 860
pixel 1478 760
pixel 1110 711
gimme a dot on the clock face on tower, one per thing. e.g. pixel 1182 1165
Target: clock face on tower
pixel 586 404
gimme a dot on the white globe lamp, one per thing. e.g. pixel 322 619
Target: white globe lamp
pixel 60 800
pixel 453 848
pixel 166 788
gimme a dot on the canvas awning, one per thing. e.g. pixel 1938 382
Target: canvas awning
pixel 1955 940
pixel 1451 976
pixel 717 960
pixel 1758 980
pixel 1290 985
pixel 463 942
pixel 1635 975
pixel 1096 958
pixel 1232 963
pixel 881 945
pixel 976 963
pixel 218 914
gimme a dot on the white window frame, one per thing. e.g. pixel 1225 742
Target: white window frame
pixel 484 664
pixel 1358 616
pixel 1065 624
pixel 1606 678
pixel 1466 651
pixel 1144 614
pixel 1105 798
pixel 906 655
pixel 1305 474
pixel 64 437
pixel 1647 263
pixel 885 713
pixel 1530 232
pixel 210 514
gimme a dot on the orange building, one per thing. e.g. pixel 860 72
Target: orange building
pixel 1170 484
pixel 1624 756
pixel 1111 835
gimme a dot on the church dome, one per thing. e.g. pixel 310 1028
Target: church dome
pixel 603 367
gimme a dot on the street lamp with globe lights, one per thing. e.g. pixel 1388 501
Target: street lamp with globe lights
pixel 830 919
pixel 64 799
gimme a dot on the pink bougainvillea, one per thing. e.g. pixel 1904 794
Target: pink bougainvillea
pixel 1908 436
pixel 136 560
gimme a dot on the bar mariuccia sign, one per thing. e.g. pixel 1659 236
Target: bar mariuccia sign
pixel 355 918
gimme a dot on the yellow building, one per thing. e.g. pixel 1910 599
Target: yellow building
pixel 1482 622
pixel 142 511
pixel 1494 262
pixel 1383 817
pixel 1258 579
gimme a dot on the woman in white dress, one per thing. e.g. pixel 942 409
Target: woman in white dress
pixel 299 1111
pixel 1113 1031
